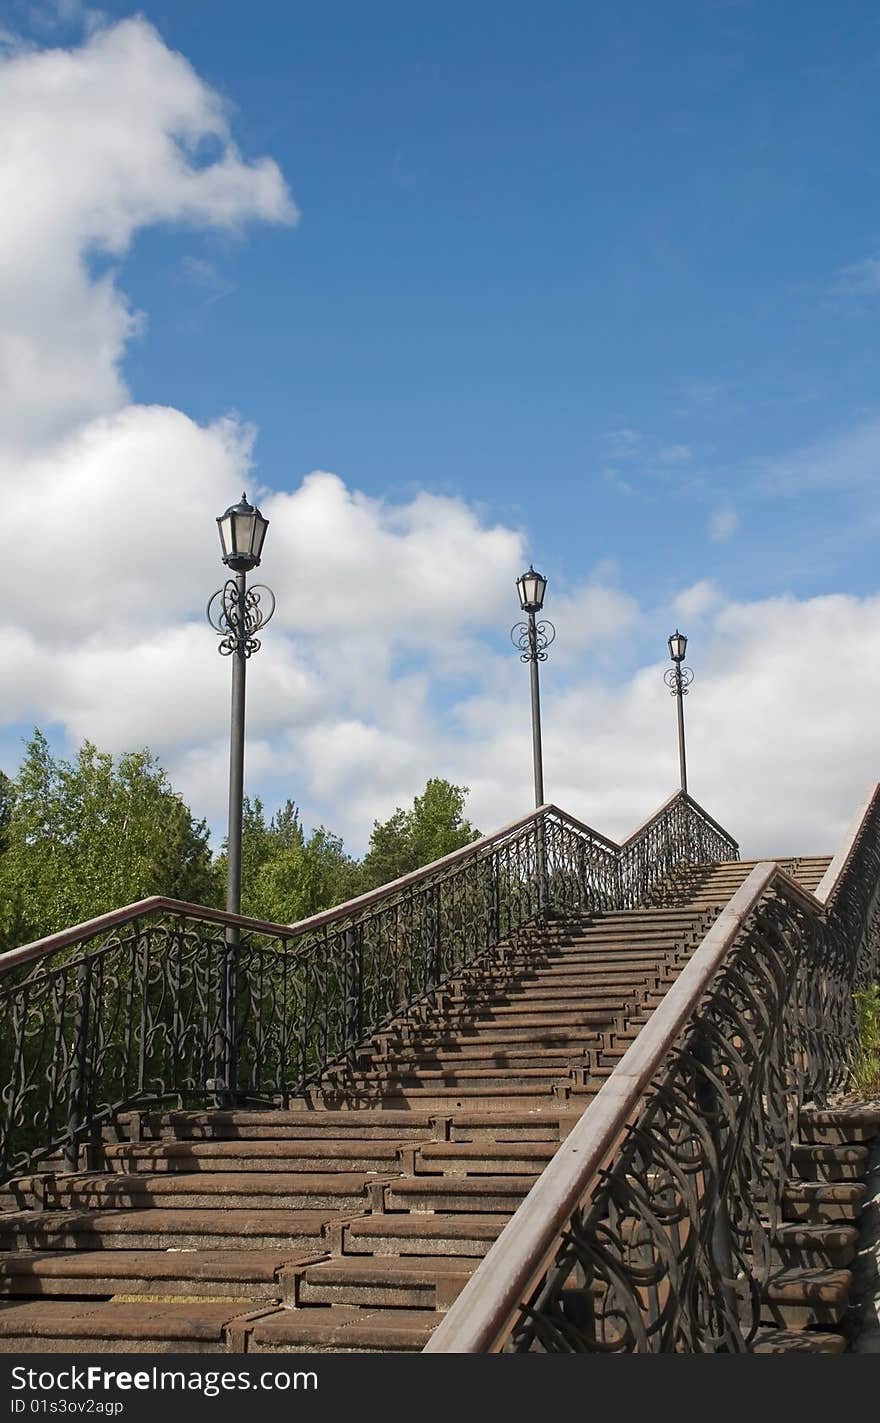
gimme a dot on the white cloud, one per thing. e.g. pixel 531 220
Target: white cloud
pixel 848 458
pixel 697 600
pixel 675 454
pixel 98 142
pixel 859 278
pixel 723 524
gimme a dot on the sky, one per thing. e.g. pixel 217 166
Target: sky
pixel 449 290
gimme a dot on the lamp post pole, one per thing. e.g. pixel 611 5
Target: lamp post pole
pixel 678 679
pixel 537 750
pixel 532 638
pixel 236 765
pixel 236 613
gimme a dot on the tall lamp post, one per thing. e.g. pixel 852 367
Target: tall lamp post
pixel 236 613
pixel 532 638
pixel 678 679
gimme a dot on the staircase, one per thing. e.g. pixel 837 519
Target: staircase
pixel 351 1220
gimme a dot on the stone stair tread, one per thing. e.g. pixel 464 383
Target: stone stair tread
pixel 233 1265
pixel 836 1192
pixel 855 1113
pixel 851 1154
pixel 462 1185
pixel 206 1150
pixel 827 1286
pixel 418 1269
pixel 806 1341
pixel 149 1321
pixel 120 1220
pixel 486 1150
pixel 802 1233
pixel 463 1225
pixel 218 1183
pixel 342 1327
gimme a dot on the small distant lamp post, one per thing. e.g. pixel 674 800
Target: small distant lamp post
pixel 678 679
pixel 237 613
pixel 532 638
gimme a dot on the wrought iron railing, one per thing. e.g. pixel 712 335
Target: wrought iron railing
pixel 654 1227
pixel 680 832
pixel 166 1000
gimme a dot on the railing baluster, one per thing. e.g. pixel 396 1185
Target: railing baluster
pixel 78 1064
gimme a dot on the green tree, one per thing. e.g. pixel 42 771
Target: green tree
pixel 6 799
pixel 285 875
pixel 91 835
pixel 409 839
pixel 303 877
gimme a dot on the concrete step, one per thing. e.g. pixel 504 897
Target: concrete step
pixel 548 1036
pixel 556 1013
pixel 803 1298
pixel 489 1054
pixel 822 1201
pixel 192 1327
pixel 313 1156
pixel 189 1229
pixel 255 1274
pixel 387 1281
pixel 483 1158
pixel 392 1079
pixel 220 1190
pixel 545 1123
pixel 441 1099
pixel 840 1126
pixel 567 993
pixel 466 1236
pixel 298 1123
pixel 482 1194
pixel 830 1163
pixel 537 1020
pixel 342 1329
pixel 799 1341
pixel 811 1245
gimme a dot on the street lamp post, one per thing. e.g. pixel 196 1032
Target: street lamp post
pixel 532 638
pixel 236 613
pixel 678 679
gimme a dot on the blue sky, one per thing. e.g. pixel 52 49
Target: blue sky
pixel 605 277
pixel 526 229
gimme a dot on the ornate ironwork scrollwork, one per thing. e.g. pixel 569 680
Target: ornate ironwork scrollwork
pixel 678 679
pixel 237 619
pixel 533 648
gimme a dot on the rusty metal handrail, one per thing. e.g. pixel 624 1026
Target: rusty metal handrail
pixel 520 1257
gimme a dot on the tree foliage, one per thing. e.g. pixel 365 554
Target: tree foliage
pixel 80 837
pixel 409 839
pixel 86 836
pixel 286 875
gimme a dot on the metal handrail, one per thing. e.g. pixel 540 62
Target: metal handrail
pixel 685 796
pixel 483 1312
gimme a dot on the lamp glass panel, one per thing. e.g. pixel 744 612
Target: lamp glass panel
pixel 260 527
pixel 244 533
pixel 224 524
